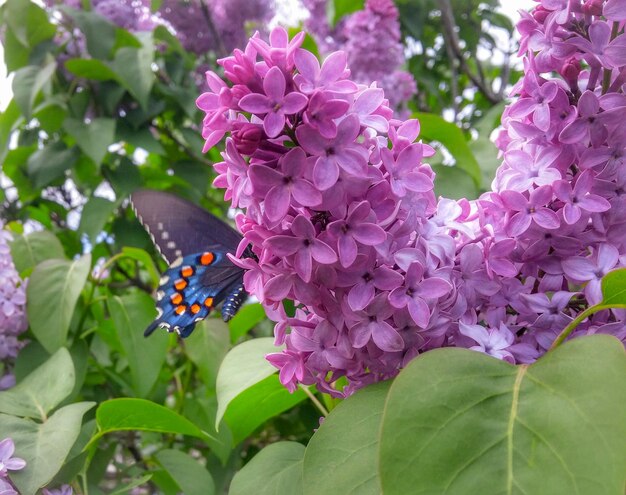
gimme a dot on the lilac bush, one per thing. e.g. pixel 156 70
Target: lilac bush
pixel 341 214
pixel 8 463
pixel 12 310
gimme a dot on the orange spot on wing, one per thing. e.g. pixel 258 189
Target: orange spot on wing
pixel 208 302
pixel 176 298
pixel 180 284
pixel 195 309
pixel 180 309
pixel 206 258
pixel 186 271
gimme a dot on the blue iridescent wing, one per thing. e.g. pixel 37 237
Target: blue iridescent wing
pixel 200 275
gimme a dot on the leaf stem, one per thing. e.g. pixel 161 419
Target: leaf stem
pixel 579 319
pixel 315 400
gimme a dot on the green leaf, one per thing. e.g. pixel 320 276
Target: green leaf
pixel 146 260
pixel 50 163
pixel 435 128
pixel 42 390
pixel 28 82
pixel 134 69
pixel 454 183
pixel 614 288
pixel 244 366
pixel 51 296
pixel 91 68
pixel 45 445
pixel 98 31
pixel 94 137
pixel 206 348
pixel 132 314
pixel 341 457
pixel 340 8
pixel 143 415
pixel 461 422
pixel 276 470
pixel 255 405
pixel 29 250
pixel 28 22
pixel 94 217
pixel 190 476
pixel 245 320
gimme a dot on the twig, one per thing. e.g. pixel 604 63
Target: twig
pixel 449 26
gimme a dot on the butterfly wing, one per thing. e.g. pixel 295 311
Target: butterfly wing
pixel 178 227
pixel 200 276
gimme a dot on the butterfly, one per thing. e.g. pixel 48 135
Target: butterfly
pixel 200 276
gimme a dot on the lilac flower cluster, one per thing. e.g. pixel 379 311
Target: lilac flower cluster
pixel 341 214
pixel 334 190
pixel 12 310
pixel 216 25
pixel 8 463
pixel 558 199
pixel 372 40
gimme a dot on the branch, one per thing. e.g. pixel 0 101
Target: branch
pixel 449 29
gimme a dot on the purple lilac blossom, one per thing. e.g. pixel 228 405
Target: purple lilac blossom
pixel 7 461
pixel 12 310
pixel 63 490
pixel 380 271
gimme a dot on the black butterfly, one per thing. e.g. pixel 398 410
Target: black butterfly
pixel 200 276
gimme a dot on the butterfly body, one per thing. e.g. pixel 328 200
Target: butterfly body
pixel 200 275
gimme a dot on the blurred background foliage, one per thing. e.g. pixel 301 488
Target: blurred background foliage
pixel 104 104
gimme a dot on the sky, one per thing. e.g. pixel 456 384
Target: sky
pixel 509 7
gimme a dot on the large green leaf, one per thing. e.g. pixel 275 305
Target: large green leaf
pixel 52 292
pixel 29 250
pixel 244 366
pixel 258 403
pixel 458 422
pixel 42 390
pixel 28 22
pixel 94 137
pixel 435 128
pixel 341 458
pixel 134 69
pixel 143 415
pixel 206 347
pixel 45 445
pixel 98 31
pixel 454 183
pixel 187 472
pixel 276 470
pixel 28 82
pixel 132 314
pixel 95 214
pixel 50 163
pixel 91 68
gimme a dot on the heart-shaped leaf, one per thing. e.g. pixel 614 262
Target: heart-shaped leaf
pixel 244 366
pixel 45 445
pixel 42 390
pixel 277 469
pixel 459 422
pixel 52 292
